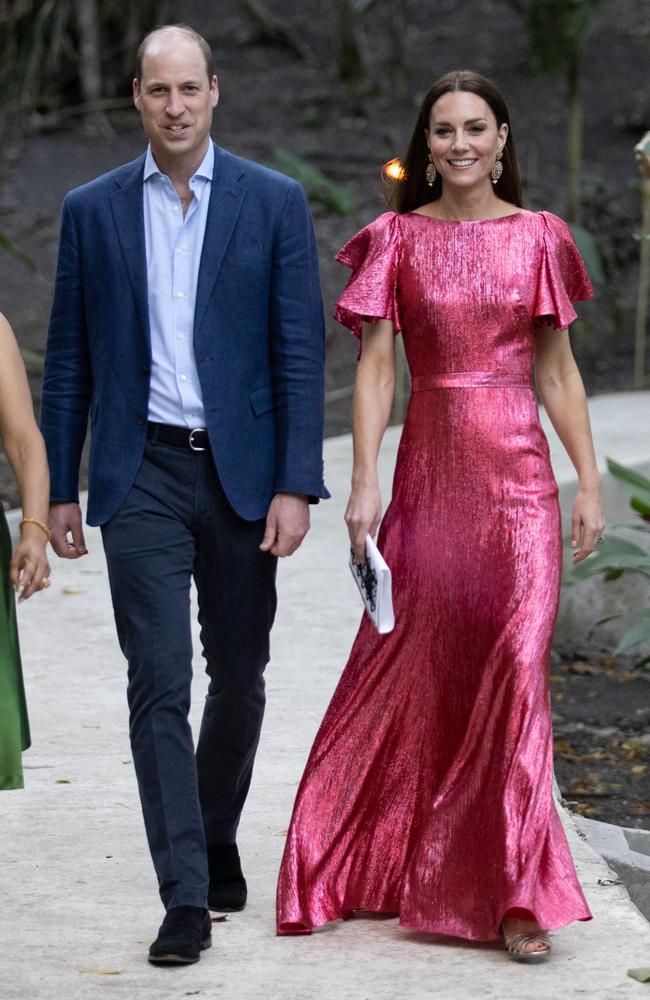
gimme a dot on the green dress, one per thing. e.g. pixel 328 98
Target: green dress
pixel 14 725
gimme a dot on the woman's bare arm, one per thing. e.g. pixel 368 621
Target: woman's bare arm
pixel 25 451
pixel 371 406
pixel 563 395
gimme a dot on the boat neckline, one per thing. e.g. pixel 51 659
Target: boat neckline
pixel 465 222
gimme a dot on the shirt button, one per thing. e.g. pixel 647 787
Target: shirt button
pixel 175 208
pixel 183 378
pixel 180 295
pixel 141 421
pixel 180 336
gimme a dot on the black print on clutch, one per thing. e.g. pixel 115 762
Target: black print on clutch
pixel 367 583
pixel 373 579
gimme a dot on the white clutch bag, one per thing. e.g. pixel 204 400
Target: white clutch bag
pixel 374 582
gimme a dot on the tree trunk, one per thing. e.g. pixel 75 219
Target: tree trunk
pixel 574 139
pixel 90 73
pixel 399 70
pixel 272 29
pixel 131 38
pixel 140 19
pixel 643 290
pixel 350 55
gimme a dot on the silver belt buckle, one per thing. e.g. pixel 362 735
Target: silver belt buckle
pixel 191 442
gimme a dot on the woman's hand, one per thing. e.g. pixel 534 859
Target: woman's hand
pixel 587 522
pixel 29 567
pixel 362 517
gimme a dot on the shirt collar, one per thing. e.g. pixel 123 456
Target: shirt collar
pixel 205 168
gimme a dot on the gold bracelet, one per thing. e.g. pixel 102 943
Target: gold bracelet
pixel 43 527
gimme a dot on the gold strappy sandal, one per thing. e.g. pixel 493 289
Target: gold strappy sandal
pixel 516 945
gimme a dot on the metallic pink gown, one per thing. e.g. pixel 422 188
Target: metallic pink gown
pixel 428 791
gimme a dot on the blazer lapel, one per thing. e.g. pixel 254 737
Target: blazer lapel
pixel 226 196
pixel 128 214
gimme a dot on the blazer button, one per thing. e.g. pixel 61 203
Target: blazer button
pixel 145 370
pixel 141 421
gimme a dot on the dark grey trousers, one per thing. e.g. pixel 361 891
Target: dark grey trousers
pixel 174 524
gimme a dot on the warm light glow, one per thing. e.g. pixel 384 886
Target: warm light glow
pixel 394 170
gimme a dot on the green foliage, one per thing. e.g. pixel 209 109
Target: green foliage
pixel 39 48
pixel 334 197
pixel 619 555
pixel 635 480
pixel 6 244
pixel 33 40
pixel 34 361
pixel 556 30
pixel 590 254
pixel 614 556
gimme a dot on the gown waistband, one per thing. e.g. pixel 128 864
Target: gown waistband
pixel 475 380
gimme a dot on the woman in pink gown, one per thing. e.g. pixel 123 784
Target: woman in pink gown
pixel 428 791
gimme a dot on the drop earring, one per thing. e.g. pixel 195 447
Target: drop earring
pixel 497 169
pixel 430 173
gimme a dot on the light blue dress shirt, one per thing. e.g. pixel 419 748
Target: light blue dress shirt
pixel 173 246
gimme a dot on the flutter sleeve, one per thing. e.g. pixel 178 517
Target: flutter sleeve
pixel 371 292
pixel 563 277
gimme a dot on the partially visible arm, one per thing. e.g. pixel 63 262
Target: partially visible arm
pixel 371 406
pixel 563 395
pixel 67 385
pixel 25 450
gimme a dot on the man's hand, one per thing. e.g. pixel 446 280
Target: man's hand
pixel 287 523
pixel 65 519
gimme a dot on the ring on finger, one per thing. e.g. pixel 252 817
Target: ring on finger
pixel 45 583
pixel 600 540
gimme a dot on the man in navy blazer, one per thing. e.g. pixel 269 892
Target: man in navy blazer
pixel 187 322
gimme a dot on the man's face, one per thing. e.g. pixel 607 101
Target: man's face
pixel 175 98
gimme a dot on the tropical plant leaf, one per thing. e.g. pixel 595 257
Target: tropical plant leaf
pixel 628 526
pixel 6 244
pixel 614 555
pixel 590 252
pixel 602 621
pixel 640 505
pixel 32 359
pixel 636 480
pixel 318 186
pixel 556 30
pixel 638 633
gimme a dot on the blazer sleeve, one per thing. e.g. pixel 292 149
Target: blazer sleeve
pixel 67 380
pixel 297 330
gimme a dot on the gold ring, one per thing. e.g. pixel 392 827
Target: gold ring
pixel 45 582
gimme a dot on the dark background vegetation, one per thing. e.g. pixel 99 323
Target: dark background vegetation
pixel 337 85
pixel 291 97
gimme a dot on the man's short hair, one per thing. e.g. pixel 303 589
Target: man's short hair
pixel 183 29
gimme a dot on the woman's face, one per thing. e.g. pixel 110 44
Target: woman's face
pixel 464 139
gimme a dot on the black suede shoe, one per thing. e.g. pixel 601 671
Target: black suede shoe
pixel 228 891
pixel 185 932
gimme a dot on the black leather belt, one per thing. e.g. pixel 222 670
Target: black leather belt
pixel 179 437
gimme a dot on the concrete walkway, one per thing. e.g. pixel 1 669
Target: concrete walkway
pixel 79 901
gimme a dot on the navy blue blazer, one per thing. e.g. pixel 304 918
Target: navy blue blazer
pixel 259 339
